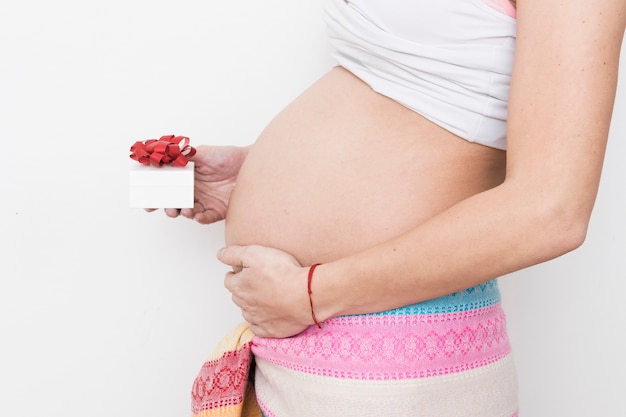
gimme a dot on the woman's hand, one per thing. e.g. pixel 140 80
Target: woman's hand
pixel 270 288
pixel 216 169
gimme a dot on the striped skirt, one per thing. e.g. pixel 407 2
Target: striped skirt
pixel 447 357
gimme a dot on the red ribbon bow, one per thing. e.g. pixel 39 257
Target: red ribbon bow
pixel 167 150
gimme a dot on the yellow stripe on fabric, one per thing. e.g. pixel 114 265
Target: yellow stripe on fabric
pixel 230 411
pixel 233 341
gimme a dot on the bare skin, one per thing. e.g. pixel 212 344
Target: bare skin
pixel 399 210
pixel 319 185
pixel 457 236
pixel 343 168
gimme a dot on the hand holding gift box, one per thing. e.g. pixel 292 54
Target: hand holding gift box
pixel 164 176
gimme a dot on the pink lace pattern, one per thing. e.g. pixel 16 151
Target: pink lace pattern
pixel 505 6
pixel 221 382
pixel 389 347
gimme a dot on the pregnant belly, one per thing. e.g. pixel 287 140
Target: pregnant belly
pixel 343 168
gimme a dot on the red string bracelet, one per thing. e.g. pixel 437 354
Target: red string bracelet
pixel 311 269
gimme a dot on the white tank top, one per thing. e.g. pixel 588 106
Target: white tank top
pixel 448 60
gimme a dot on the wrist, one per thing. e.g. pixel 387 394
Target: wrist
pixel 327 296
pixel 311 273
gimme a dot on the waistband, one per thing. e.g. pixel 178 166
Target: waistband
pixel 455 333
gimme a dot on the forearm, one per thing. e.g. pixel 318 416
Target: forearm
pixel 468 244
pixel 556 143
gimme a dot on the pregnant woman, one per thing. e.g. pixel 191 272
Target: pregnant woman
pixel 454 142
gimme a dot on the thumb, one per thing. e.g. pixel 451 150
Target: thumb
pixel 232 256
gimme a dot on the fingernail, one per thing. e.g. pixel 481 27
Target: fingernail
pixel 220 253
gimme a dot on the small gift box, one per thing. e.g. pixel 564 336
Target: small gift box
pixel 164 177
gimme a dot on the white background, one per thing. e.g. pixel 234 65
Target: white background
pixel 108 311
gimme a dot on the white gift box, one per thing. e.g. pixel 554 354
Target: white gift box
pixel 161 187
